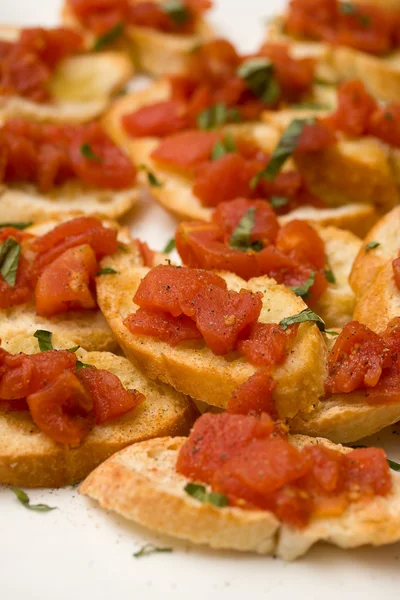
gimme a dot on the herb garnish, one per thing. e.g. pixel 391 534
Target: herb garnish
pixel 259 74
pixel 303 317
pixel 348 8
pixel 200 493
pixel 81 365
pixel 108 37
pixel 151 178
pixel 371 246
pixel 44 340
pixel 74 349
pixel 107 271
pixel 177 11
pixel 330 276
pixel 278 201
pixel 10 252
pixel 223 147
pixel 331 332
pixel 241 236
pixel 393 465
pixel 150 549
pixel 19 226
pixel 217 115
pixel 169 246
pixel 285 148
pixel 24 499
pixel 304 290
pixel 87 152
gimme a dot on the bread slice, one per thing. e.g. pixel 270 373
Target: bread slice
pixel 81 87
pixel 154 52
pixel 141 484
pixel 28 458
pixel 381 75
pixel 193 369
pixel 369 261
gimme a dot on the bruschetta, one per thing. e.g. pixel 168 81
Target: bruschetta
pixel 159 35
pixel 47 77
pixel 58 447
pixel 172 487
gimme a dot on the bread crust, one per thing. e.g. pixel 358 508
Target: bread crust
pixel 140 483
pixel 194 370
pixel 28 458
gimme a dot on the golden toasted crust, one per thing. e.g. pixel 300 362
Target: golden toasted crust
pixel 141 484
pixel 28 458
pixel 194 370
pixel 386 232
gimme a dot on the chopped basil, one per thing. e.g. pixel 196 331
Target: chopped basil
pixel 324 82
pixel 278 201
pixel 169 246
pixel 223 147
pixel 393 465
pixel 24 499
pixel 303 317
pixel 107 271
pixel 74 349
pixel 259 74
pixel 285 148
pixel 241 236
pixel 177 11
pixel 108 37
pixel 87 152
pixel 19 226
pixel 44 340
pixel 330 332
pixel 304 290
pixel 151 178
pixel 10 252
pixel 348 8
pixel 199 492
pixel 123 248
pixel 330 277
pixel 150 549
pixel 371 246
pixel 217 115
pixel 81 365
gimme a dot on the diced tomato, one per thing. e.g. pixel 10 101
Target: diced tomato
pixel 65 283
pixel 163 326
pixel 227 216
pixel 301 242
pixel 267 344
pixel 160 119
pixel 146 253
pixel 368 468
pixel 184 151
pixel 60 410
pixel 214 61
pixel 384 123
pixel 315 137
pixel 110 398
pixel 355 107
pixel 254 396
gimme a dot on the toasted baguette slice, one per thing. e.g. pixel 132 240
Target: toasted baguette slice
pixel 29 458
pixel 381 75
pixel 193 369
pixel 141 484
pixel 369 261
pixel 81 87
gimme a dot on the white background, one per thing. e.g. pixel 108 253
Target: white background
pixel 80 552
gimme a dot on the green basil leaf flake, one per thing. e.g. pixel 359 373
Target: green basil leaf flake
pixel 348 8
pixel 200 493
pixel 81 365
pixel 216 116
pixel 10 252
pixel 285 148
pixel 151 178
pixel 223 147
pixel 371 246
pixel 20 226
pixel 169 246
pixel 74 349
pixel 393 465
pixel 107 271
pixel 87 152
pixel 24 499
pixel 324 82
pixel 148 549
pixel 123 248
pixel 331 332
pixel 304 290
pixel 44 340
pixel 109 37
pixel 330 276
pixel 241 236
pixel 177 11
pixel 278 201
pixel 303 317
pixel 259 74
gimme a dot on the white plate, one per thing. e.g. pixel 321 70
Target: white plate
pixel 80 552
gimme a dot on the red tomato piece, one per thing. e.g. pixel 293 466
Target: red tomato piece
pixel 369 469
pixel 65 283
pixel 315 137
pixel 384 123
pixel 184 151
pixel 110 398
pixel 301 242
pixel 267 345
pixel 227 216
pixel 61 410
pixel 355 108
pixel 146 253
pixel 254 396
pixel 163 326
pixel 159 120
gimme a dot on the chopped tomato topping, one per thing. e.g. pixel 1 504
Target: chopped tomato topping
pixel 267 344
pixel 366 27
pixel 184 151
pixel 227 216
pixel 50 155
pixel 163 326
pixel 255 466
pixel 384 124
pixel 110 398
pixel 315 137
pixel 298 240
pixel 355 107
pixel 254 396
pixel 65 283
pixel 160 119
pixel 146 253
pixel 21 291
pixel 27 64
